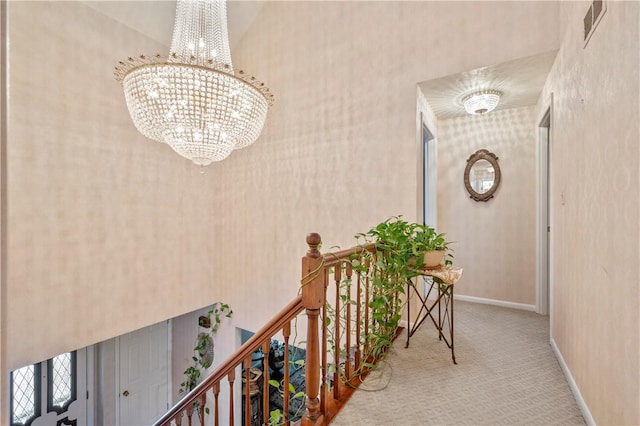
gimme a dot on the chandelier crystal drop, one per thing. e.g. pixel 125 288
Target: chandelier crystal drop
pixel 192 99
pixel 481 102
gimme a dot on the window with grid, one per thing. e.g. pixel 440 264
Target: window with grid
pixel 59 375
pixel 25 395
pixel 61 382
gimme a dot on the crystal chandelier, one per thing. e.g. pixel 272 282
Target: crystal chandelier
pixel 192 99
pixel 481 102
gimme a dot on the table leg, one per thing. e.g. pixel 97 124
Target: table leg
pixel 453 354
pixel 439 313
pixel 408 313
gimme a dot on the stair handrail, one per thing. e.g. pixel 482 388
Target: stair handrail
pixel 285 315
pixel 312 299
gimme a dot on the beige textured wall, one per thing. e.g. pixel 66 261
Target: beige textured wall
pixel 494 240
pixel 595 206
pixel 110 232
pixel 4 370
pixel 339 153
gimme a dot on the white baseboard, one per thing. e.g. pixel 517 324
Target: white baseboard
pixel 572 385
pixel 495 302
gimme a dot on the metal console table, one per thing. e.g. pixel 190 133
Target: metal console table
pixel 441 288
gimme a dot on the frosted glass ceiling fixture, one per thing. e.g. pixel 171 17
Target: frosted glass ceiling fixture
pixel 192 99
pixel 481 102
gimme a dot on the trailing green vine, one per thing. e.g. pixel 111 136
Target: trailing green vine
pixel 383 275
pixel 200 358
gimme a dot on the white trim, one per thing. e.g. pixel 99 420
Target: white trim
pixel 169 364
pixel 572 385
pixel 503 303
pixel 595 23
pixel 543 209
pixel 117 380
pixel 91 384
pixel 542 223
pixel 430 175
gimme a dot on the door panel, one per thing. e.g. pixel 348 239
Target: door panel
pixel 143 374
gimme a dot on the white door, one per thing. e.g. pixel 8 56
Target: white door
pixel 143 375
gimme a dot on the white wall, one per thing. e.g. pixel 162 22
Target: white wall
pixel 184 331
pixel 595 206
pixel 494 240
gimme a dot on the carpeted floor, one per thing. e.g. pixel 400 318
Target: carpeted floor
pixel 506 375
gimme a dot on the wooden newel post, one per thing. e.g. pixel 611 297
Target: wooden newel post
pixel 312 300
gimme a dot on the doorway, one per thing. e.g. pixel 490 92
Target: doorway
pixel 142 374
pixel 429 189
pixel 429 178
pixel 543 294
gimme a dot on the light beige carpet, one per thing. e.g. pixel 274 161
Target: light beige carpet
pixel 506 374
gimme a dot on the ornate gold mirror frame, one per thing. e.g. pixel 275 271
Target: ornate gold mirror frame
pixel 482 154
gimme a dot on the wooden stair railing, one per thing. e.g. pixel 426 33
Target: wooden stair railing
pixel 184 408
pixel 335 342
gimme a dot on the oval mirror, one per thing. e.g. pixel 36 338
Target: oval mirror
pixel 482 175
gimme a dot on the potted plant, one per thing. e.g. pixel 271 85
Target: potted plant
pixel 400 248
pixel 428 245
pixel 408 245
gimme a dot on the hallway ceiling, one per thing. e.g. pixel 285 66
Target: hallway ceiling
pixel 155 18
pixel 520 81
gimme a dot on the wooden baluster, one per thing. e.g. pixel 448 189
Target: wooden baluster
pixel 347 361
pixel 203 402
pixel 247 391
pixel 385 277
pixel 189 414
pixel 312 300
pixel 216 409
pixel 232 378
pixel 286 332
pixel 367 264
pixel 358 319
pixel 266 347
pixel 337 276
pixel 323 388
pixel 176 418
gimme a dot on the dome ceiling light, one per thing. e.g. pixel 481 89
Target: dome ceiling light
pixel 192 99
pixel 482 102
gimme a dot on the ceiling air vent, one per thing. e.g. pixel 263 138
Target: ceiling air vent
pixel 592 18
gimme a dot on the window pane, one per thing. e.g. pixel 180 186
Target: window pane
pixel 61 380
pixel 23 390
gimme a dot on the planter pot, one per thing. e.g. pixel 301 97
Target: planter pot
pixel 433 259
